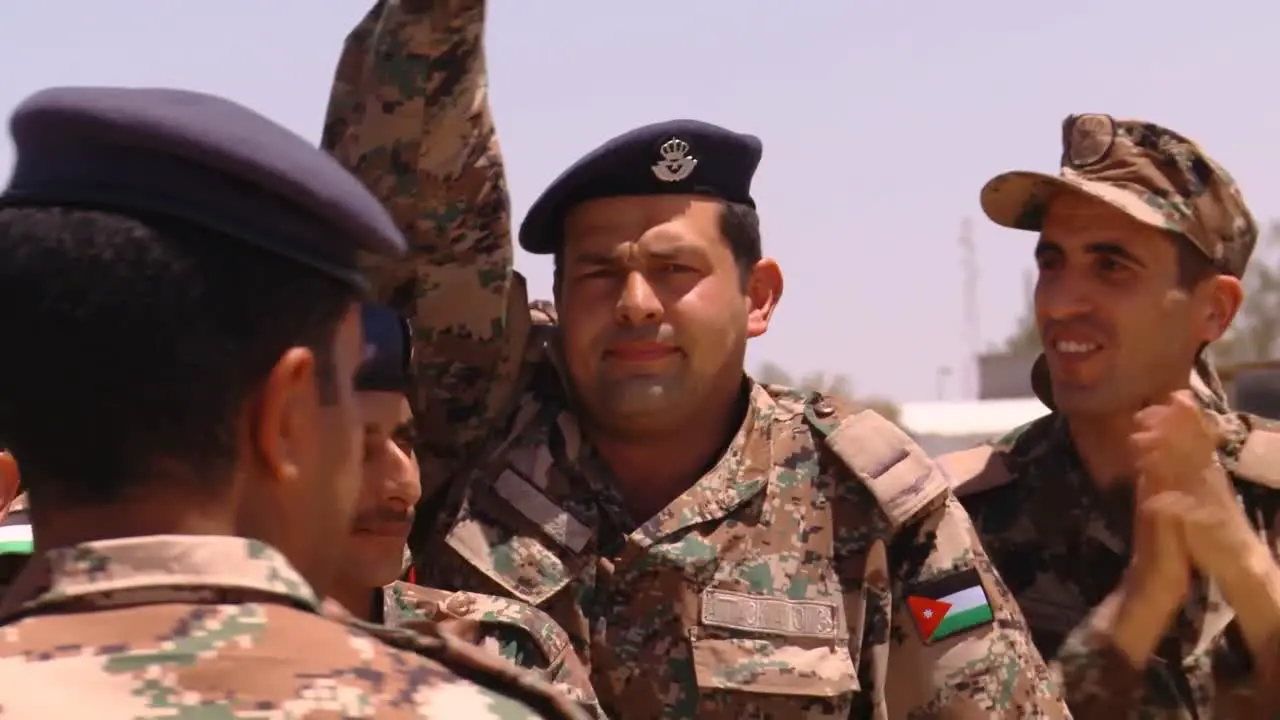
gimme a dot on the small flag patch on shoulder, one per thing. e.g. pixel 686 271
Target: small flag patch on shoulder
pixel 949 605
pixel 15 540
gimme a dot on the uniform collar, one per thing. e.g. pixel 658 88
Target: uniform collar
pixel 157 563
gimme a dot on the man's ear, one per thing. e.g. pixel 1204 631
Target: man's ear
pixel 764 290
pixel 10 482
pixel 283 413
pixel 1225 296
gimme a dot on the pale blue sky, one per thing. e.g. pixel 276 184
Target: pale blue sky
pixel 880 124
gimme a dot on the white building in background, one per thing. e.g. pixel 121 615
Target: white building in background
pixel 1004 402
pixel 944 426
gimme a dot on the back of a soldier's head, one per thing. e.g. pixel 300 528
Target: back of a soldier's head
pixel 142 349
pixel 181 315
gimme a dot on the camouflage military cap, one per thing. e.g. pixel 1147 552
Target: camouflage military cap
pixel 1150 173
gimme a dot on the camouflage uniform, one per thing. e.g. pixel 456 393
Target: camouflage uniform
pixel 1062 547
pixel 777 586
pixel 1059 543
pixel 168 626
pixel 518 632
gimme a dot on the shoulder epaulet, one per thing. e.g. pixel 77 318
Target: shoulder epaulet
pixel 975 470
pixel 894 468
pixel 1259 460
pixel 477 665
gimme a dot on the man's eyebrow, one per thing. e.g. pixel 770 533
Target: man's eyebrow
pixel 1047 247
pixel 588 257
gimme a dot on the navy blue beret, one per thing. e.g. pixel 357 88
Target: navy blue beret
pixel 677 157
pixel 388 351
pixel 200 159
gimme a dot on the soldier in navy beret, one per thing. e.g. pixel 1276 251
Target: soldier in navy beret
pixel 721 508
pixel 181 310
pixel 658 255
pixel 172 263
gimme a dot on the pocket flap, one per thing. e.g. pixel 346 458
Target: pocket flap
pixel 774 666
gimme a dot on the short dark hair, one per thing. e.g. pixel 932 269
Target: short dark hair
pixel 133 340
pixel 1194 267
pixel 740 226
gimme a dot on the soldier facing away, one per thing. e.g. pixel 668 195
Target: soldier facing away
pixel 181 312
pixel 368 580
pixel 713 547
pixel 1137 521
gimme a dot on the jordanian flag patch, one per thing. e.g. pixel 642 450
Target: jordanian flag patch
pixel 15 539
pixel 949 605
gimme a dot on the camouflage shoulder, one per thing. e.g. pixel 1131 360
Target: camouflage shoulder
pixel 518 632
pixel 1006 441
pixel 477 666
pixel 906 483
pixel 1258 461
pixel 518 622
pixel 973 471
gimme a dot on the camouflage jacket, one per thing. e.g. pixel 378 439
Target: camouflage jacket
pixel 1062 546
pixel 518 632
pixel 170 626
pixel 794 579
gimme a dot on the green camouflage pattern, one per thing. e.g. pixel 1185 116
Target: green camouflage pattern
pixel 409 71
pixel 661 611
pixel 187 626
pixel 1154 174
pixel 515 631
pixel 772 588
pixel 1062 546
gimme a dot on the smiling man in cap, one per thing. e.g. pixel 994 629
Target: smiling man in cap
pixel 1134 524
pixel 181 312
pixel 713 547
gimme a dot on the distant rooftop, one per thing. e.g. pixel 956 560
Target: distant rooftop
pixel 969 418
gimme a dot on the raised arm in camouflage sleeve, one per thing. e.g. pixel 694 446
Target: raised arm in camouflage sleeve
pixel 958 644
pixel 413 70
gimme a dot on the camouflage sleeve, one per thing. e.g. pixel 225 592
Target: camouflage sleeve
pixel 409 115
pixel 959 646
pixel 563 671
pixel 1097 678
pixel 514 636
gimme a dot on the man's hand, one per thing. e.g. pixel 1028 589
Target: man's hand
pixel 1175 444
pixel 1176 450
pixel 1159 575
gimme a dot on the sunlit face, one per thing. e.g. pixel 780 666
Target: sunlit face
pixel 653 310
pixel 1119 330
pixel 389 492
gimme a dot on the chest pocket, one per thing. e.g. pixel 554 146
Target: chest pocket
pixel 757 652
pixel 755 655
